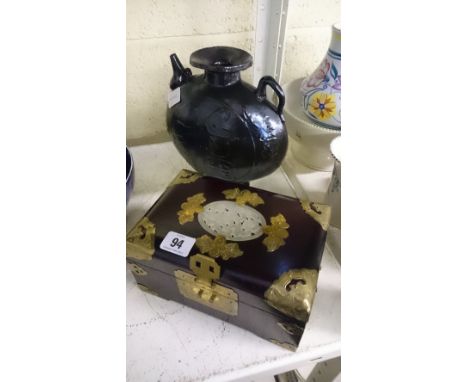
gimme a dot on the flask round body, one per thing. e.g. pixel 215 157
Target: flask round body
pixel 226 128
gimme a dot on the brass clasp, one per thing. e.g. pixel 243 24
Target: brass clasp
pixel 202 288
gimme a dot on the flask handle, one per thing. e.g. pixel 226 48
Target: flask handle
pixel 261 93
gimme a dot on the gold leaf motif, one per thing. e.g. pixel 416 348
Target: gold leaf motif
pixel 243 197
pixel 218 247
pixel 190 207
pixel 276 233
pixel 321 213
pixel 185 177
pixel 140 240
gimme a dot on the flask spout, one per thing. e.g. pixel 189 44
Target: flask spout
pixel 180 75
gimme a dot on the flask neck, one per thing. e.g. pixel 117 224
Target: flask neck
pixel 220 79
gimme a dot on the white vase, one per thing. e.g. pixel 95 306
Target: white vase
pixel 321 91
pixel 334 189
pixel 309 143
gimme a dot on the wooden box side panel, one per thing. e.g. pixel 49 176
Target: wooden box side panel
pixel 274 328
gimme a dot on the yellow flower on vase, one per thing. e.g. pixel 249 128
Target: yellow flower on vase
pixel 322 105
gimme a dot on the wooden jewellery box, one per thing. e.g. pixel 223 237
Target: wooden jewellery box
pixel 247 256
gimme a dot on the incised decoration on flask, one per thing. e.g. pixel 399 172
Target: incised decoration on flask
pixel 293 293
pixel 321 213
pixel 243 197
pixel 192 206
pixel 185 177
pixel 218 247
pixel 275 233
pixel 140 240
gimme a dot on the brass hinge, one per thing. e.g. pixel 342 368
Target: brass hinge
pixel 202 288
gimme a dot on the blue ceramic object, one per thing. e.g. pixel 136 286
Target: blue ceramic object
pixel 130 174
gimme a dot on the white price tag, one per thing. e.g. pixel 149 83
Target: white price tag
pixel 177 243
pixel 173 97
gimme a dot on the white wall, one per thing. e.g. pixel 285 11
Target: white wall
pixel 308 33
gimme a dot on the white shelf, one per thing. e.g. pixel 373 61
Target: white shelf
pixel 167 341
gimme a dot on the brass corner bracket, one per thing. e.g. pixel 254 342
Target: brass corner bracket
pixel 140 240
pixel 139 271
pixel 293 293
pixel 284 345
pixel 185 177
pixel 321 213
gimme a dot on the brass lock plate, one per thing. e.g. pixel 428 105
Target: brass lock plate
pixel 202 288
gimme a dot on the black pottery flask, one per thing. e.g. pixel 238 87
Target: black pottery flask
pixel 224 127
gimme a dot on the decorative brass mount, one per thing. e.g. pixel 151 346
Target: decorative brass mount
pixel 244 196
pixel 192 206
pixel 293 293
pixel 202 288
pixel 140 240
pixel 218 247
pixel 185 177
pixel 321 213
pixel 275 233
